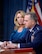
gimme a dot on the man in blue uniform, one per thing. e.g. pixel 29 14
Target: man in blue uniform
pixel 35 37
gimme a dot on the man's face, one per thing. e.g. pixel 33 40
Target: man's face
pixel 27 21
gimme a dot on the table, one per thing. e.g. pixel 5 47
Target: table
pixel 18 51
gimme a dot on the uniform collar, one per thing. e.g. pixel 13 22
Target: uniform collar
pixel 31 29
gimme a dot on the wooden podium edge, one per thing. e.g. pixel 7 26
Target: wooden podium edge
pixel 23 50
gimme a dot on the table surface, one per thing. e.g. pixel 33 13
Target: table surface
pixel 16 51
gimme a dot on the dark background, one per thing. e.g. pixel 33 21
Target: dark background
pixel 8 9
pixel 1 20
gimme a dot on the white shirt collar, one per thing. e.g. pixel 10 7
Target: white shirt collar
pixel 31 29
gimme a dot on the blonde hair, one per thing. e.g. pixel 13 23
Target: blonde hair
pixel 15 18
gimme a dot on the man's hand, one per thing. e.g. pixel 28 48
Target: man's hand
pixel 12 45
pixel 4 44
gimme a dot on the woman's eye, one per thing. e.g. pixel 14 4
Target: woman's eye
pixel 18 17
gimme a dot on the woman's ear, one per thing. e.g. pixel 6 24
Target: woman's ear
pixel 33 22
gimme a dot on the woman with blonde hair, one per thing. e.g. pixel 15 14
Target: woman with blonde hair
pixel 19 33
pixel 16 22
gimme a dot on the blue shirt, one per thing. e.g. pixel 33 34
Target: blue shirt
pixel 19 37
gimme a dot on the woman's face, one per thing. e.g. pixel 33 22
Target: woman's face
pixel 20 19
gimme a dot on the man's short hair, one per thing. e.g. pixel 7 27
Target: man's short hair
pixel 33 16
